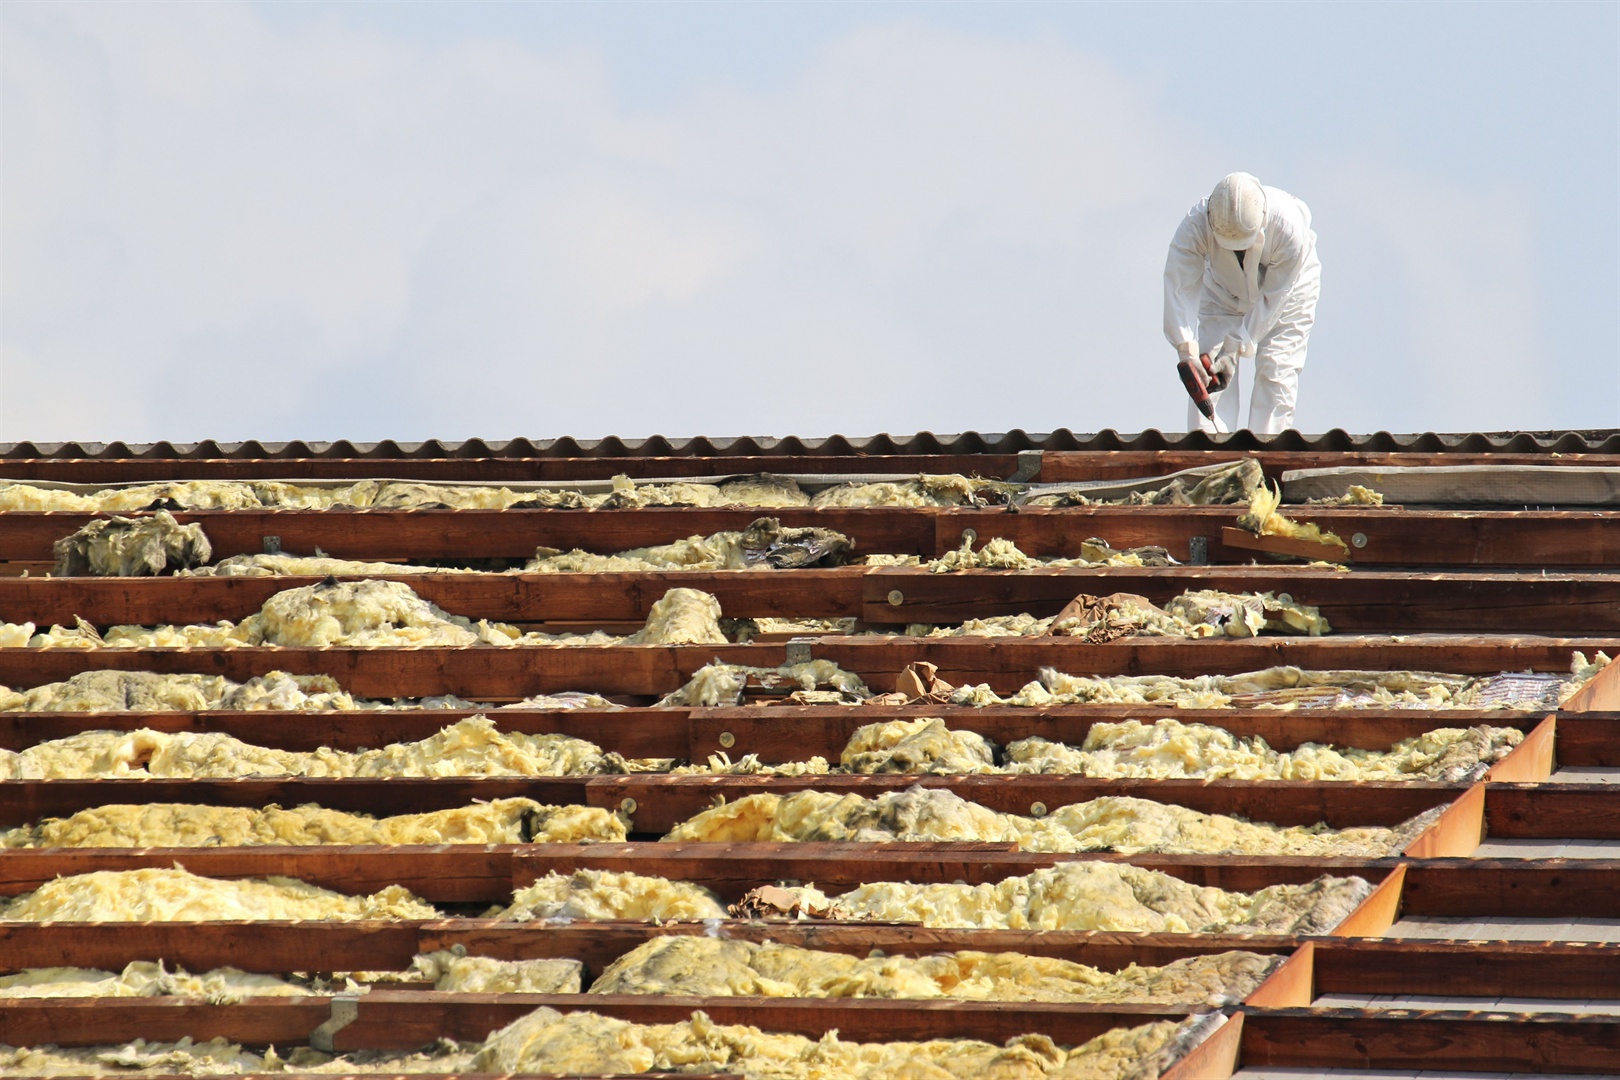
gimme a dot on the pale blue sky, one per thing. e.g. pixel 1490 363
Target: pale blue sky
pixel 416 220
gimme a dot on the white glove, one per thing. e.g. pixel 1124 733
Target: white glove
pixel 1188 351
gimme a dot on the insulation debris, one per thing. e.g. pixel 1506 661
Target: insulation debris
pixel 724 684
pixel 131 547
pixel 158 895
pixel 1264 520
pixel 700 965
pixel 1111 823
pixel 219 1057
pixel 765 543
pixel 470 747
pixel 606 894
pixel 1169 749
pixel 682 617
pixel 500 821
pixel 587 1044
pixel 1355 495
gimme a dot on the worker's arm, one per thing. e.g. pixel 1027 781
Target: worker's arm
pixel 1183 281
pixel 1290 232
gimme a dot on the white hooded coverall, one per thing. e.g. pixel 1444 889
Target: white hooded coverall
pixel 1268 303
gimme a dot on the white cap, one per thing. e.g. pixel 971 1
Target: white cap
pixel 1237 211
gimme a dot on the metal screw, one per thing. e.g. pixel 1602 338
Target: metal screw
pixel 727 740
pixel 628 805
pixel 1285 598
pixel 1358 540
pixel 1037 809
pixel 971 536
pixel 896 597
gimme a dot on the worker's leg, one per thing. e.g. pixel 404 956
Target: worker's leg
pixel 1281 356
pixel 1213 326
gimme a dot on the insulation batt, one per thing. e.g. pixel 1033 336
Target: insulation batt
pixel 1169 749
pixel 378 613
pixel 587 1044
pixel 501 821
pixel 922 490
pixel 765 543
pixel 916 746
pixel 158 895
pixel 1110 823
pixel 1278 687
pixel 1233 484
pixel 145 691
pixel 132 547
pixel 143 978
pixel 1090 895
pixel 1081 895
pixel 217 1057
pixel 999 553
pixel 286 565
pixel 679 964
pixel 606 894
pixel 762 491
pixel 470 747
pixel 723 684
pixel 454 974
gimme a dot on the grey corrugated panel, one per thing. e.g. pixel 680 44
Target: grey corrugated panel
pixel 1464 485
pixel 1605 441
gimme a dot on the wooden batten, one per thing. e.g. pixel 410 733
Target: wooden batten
pixel 1587 739
pixel 1552 812
pixel 1600 694
pixel 632 732
pixel 1367 601
pixel 405 1020
pixel 1533 760
pixel 1577 970
pixel 1377 913
pixel 796 733
pixel 1511 888
pixel 1494 1044
pixel 1004 663
pixel 663 801
pixel 1291 986
pixel 1457 833
pixel 278 947
pixel 1243 540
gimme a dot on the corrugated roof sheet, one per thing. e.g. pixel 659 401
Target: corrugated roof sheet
pixel 926 442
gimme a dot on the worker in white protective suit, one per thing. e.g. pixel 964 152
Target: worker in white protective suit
pixel 1240 289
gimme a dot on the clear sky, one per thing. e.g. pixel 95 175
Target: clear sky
pixel 315 220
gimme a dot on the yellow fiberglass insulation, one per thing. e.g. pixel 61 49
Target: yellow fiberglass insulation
pixel 469 747
pixel 131 547
pixel 146 691
pixel 1094 895
pixel 1110 823
pixel 607 894
pixel 454 974
pixel 159 895
pixel 282 564
pixel 217 1057
pixel 701 965
pixel 999 553
pixel 765 543
pixel 501 821
pixel 1170 749
pixel 923 490
pixel 723 684
pixel 917 746
pixel 587 1044
pixel 1263 519
pixel 143 978
pixel 682 617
